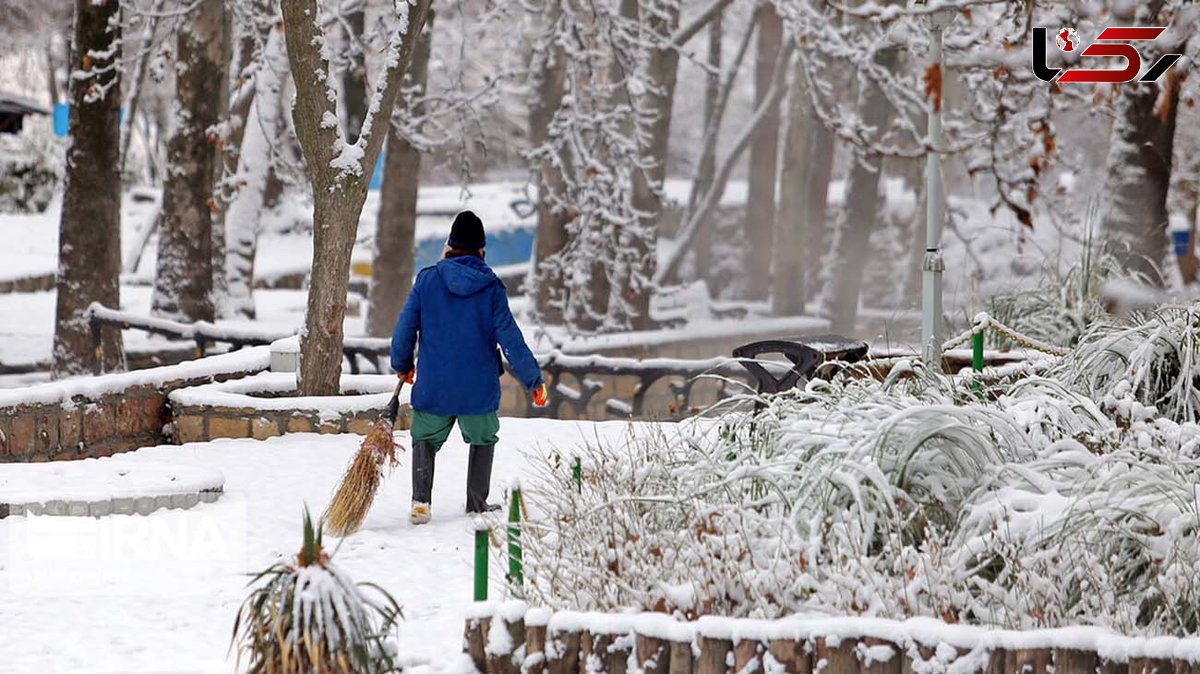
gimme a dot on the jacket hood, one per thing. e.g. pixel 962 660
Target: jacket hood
pixel 465 275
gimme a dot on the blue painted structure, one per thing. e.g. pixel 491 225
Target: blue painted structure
pixel 62 119
pixel 62 114
pixel 505 246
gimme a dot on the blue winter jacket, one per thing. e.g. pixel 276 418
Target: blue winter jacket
pixel 458 312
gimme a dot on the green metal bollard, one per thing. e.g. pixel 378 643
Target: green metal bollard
pixel 977 358
pixel 577 474
pixel 516 573
pixel 481 562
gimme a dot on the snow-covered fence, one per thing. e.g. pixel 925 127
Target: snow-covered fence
pixel 510 637
pixel 203 333
pixel 206 334
pixel 100 416
pixel 265 405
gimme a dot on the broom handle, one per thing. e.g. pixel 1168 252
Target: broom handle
pixel 393 406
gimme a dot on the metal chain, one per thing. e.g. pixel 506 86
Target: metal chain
pixel 983 322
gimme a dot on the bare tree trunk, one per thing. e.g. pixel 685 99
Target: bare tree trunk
pixel 184 281
pixel 1139 176
pixel 550 71
pixel 354 80
pixel 139 79
pixel 851 250
pixel 395 235
pixel 712 95
pixel 764 159
pixel 787 280
pixel 89 263
pixel 340 173
pixel 256 172
pixel 817 229
pixel 655 107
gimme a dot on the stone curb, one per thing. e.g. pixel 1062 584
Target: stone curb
pixel 142 505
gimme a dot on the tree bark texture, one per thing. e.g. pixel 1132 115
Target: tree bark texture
pixel 851 251
pixel 764 158
pixel 256 171
pixel 655 107
pixel 339 175
pixel 183 283
pixel 231 180
pixel 550 68
pixel 89 263
pixel 1139 176
pixel 791 223
pixel 354 80
pixel 395 234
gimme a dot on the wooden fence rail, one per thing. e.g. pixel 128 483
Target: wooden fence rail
pixel 509 638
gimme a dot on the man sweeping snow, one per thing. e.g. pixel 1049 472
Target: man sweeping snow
pixel 458 313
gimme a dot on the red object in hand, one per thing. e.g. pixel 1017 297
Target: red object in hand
pixel 540 396
pixel 406 376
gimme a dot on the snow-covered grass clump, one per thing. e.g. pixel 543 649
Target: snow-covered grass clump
pixel 1063 305
pixel 1154 358
pixel 1026 507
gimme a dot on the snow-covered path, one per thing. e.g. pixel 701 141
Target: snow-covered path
pixel 159 593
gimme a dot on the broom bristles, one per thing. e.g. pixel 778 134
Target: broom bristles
pixel 356 492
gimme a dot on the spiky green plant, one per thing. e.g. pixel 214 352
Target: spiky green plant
pixel 304 616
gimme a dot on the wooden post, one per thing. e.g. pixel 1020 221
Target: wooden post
pixel 1029 661
pixel 618 654
pixel 563 649
pixel 997 662
pixel 681 657
pixel 713 655
pixel 475 638
pixel 97 344
pixel 839 659
pixel 653 655
pixel 505 663
pixel 1150 666
pixel 892 665
pixel 925 653
pixel 1110 667
pixel 535 649
pixel 1072 661
pixel 1186 666
pixel 793 655
pixel 744 652
pixel 587 649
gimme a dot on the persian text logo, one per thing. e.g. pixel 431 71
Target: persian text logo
pixel 1113 41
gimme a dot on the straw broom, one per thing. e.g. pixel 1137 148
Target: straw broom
pixel 356 491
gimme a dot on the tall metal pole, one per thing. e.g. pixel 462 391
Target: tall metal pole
pixel 935 214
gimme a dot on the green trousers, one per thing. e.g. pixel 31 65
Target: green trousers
pixel 476 429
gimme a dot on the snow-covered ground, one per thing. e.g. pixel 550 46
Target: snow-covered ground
pixel 159 593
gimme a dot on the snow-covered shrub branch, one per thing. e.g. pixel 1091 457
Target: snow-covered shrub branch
pixel 593 145
pixel 1154 360
pixel 907 497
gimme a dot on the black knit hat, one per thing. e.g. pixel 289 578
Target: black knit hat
pixel 467 232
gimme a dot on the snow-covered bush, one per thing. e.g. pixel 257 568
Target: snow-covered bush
pixel 912 496
pixel 1155 358
pixel 307 616
pixel 30 169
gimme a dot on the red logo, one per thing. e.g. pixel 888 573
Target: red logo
pixel 1111 42
pixel 1067 39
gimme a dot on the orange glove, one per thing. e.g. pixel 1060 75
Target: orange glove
pixel 406 376
pixel 541 397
